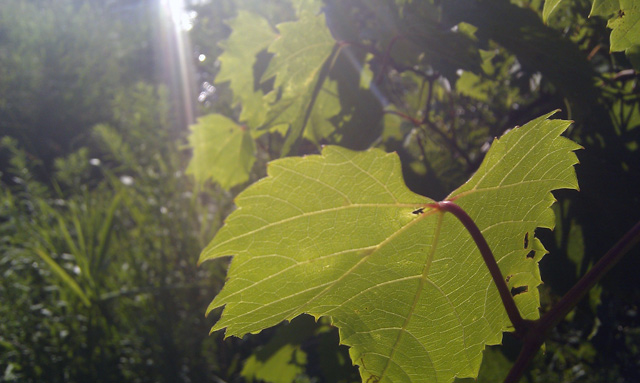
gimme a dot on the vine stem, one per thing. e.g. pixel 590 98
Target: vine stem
pixel 534 333
pixel 538 332
pixel 519 324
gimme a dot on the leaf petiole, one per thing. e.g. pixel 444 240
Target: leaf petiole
pixel 520 325
pixel 533 333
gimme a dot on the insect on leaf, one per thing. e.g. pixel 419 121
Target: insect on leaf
pixel 340 235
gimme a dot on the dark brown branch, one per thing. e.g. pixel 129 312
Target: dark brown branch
pixel 427 108
pixel 534 338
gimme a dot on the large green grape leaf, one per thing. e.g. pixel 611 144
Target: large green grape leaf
pixel 340 235
pixel 250 34
pixel 222 151
pixel 300 54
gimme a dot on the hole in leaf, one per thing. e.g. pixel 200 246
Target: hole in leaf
pixel 519 290
pixel 531 254
pixel 526 240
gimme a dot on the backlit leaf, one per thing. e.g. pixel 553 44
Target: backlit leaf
pixel 250 35
pixel 299 57
pixel 604 7
pixel 550 6
pixel 223 151
pixel 626 26
pixel 340 235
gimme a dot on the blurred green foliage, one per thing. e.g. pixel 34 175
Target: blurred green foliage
pixel 100 282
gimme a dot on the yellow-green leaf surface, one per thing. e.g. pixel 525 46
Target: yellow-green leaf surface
pixel 550 6
pixel 626 26
pixel 340 235
pixel 223 151
pixel 250 35
pixel 300 52
pixel 604 7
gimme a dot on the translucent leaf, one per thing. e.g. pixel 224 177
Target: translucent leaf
pixel 282 358
pixel 626 26
pixel 313 6
pixel 223 151
pixel 340 235
pixel 250 35
pixel 604 7
pixel 281 367
pixel 300 53
pixel 474 86
pixel 327 105
pixel 550 6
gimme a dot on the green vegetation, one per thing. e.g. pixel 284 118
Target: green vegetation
pixel 323 124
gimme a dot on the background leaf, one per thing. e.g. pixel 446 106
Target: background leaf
pixel 550 6
pixel 297 65
pixel 222 151
pixel 250 35
pixel 604 7
pixel 626 26
pixel 340 235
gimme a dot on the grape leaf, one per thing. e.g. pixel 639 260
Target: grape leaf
pixel 222 151
pixel 550 6
pixel 299 57
pixel 604 7
pixel 340 235
pixel 282 358
pixel 626 26
pixel 250 35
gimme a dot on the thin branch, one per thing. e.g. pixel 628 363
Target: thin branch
pixel 429 124
pixel 427 108
pixel 412 120
pixel 534 338
pixel 451 142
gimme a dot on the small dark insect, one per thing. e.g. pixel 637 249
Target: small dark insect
pixel 418 211
pixel 621 13
pixel 526 240
pixel 508 278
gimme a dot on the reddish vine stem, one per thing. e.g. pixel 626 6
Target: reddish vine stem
pixel 538 332
pixel 516 319
pixel 533 333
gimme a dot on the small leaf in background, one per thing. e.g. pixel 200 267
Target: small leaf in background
pixel 550 6
pixel 223 151
pixel 296 66
pixel 282 359
pixel 250 35
pixel 626 26
pixel 326 106
pixel 280 367
pixel 299 55
pixel 604 8
pixel 340 235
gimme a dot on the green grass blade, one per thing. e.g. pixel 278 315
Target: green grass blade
pixel 66 278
